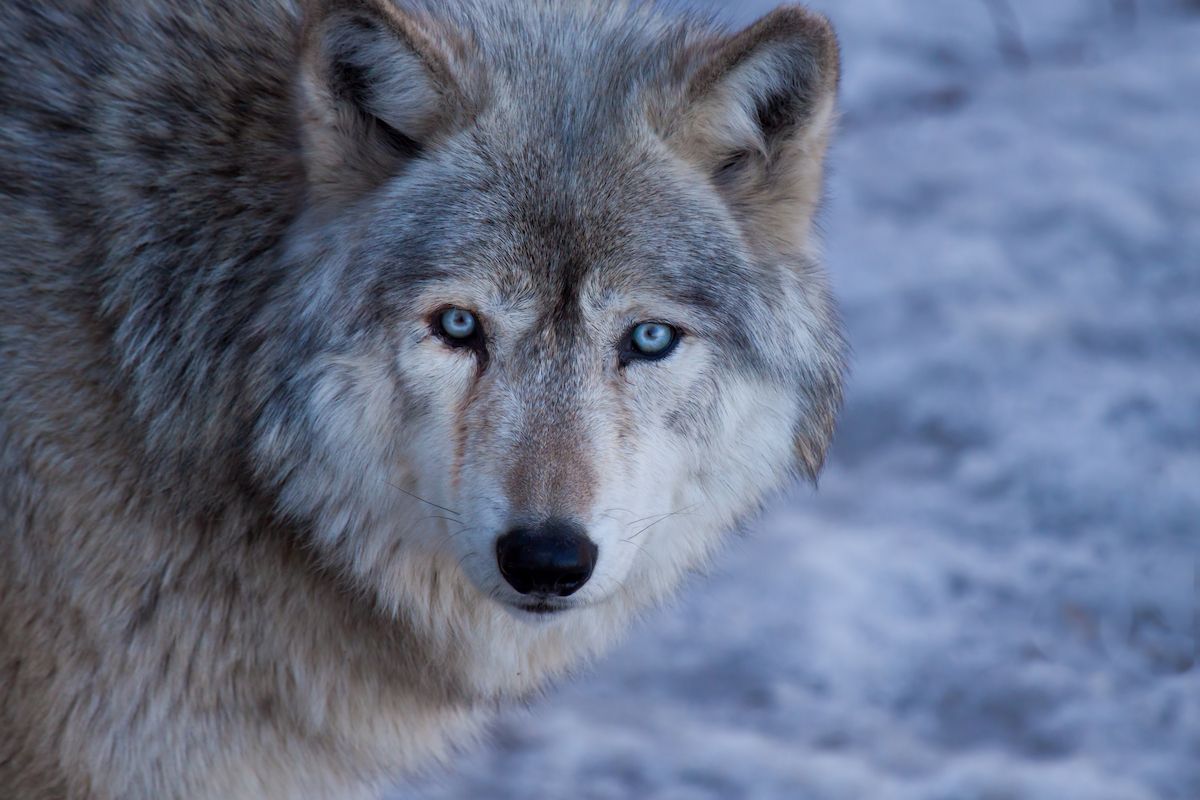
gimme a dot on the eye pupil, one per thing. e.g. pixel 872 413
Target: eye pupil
pixel 653 339
pixel 458 323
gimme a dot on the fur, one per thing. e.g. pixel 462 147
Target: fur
pixel 248 499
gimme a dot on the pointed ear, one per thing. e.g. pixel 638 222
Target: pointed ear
pixel 375 90
pixel 757 117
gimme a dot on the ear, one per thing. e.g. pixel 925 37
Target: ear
pixel 375 91
pixel 758 112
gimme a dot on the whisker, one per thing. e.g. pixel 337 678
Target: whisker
pixel 648 516
pixel 422 499
pixel 663 513
pixel 618 508
pixel 661 518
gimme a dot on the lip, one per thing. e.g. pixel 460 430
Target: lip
pixel 540 607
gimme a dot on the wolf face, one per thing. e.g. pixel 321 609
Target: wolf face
pixel 558 320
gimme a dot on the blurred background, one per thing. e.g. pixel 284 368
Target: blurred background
pixel 995 594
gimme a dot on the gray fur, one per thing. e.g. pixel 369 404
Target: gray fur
pixel 225 571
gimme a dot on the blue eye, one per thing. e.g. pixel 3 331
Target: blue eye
pixel 650 341
pixel 457 323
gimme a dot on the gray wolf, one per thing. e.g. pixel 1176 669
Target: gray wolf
pixel 369 363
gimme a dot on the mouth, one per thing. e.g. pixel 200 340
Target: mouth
pixel 541 606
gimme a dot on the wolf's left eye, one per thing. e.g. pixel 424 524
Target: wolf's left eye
pixel 458 323
pixel 459 327
pixel 649 341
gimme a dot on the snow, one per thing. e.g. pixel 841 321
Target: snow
pixel 995 594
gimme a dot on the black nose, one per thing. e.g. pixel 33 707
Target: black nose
pixel 555 557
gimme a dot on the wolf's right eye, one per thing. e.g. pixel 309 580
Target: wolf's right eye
pixel 459 327
pixel 458 323
pixel 648 341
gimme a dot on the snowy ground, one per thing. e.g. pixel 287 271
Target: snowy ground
pixel 995 595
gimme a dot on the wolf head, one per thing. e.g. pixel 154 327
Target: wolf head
pixel 557 313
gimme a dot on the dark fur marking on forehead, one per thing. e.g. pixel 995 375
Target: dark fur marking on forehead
pixel 565 312
pixel 558 255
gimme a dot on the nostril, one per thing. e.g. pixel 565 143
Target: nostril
pixel 556 557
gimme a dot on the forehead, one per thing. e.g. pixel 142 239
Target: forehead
pixel 543 227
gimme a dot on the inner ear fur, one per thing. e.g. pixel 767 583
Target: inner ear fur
pixel 376 89
pixel 757 114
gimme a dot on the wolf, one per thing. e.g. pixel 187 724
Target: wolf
pixel 367 364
